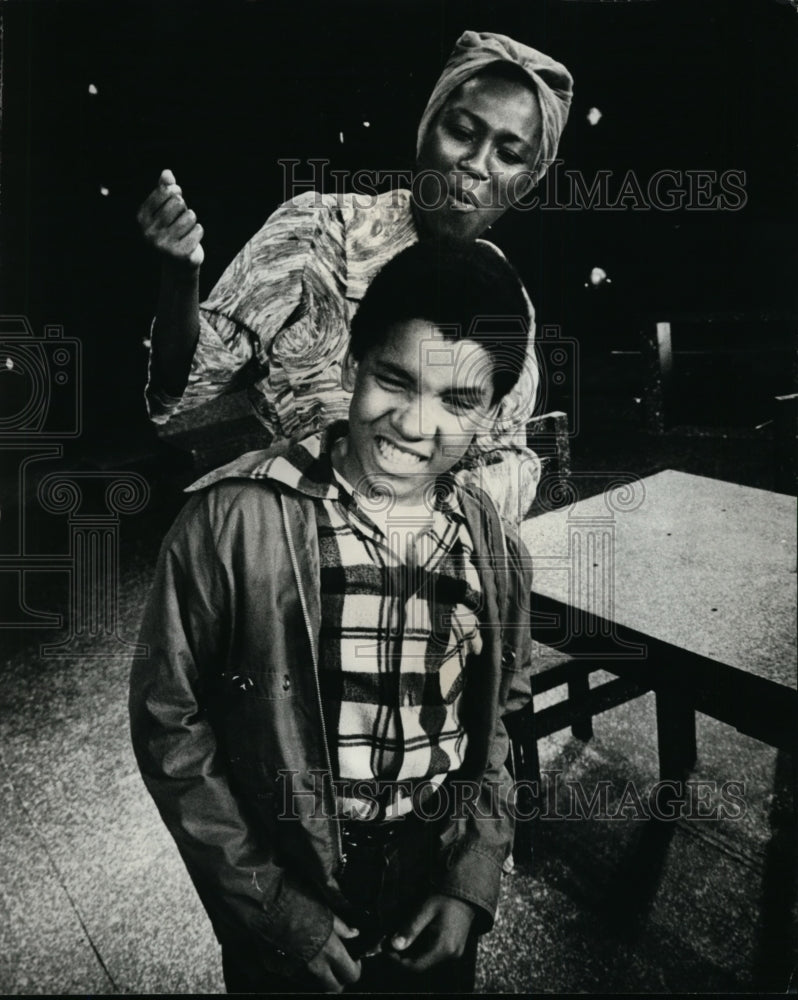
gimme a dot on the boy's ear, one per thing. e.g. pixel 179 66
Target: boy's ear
pixel 349 372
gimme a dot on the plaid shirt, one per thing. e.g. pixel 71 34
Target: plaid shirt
pixel 400 598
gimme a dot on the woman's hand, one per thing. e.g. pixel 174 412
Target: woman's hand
pixel 169 226
pixel 171 229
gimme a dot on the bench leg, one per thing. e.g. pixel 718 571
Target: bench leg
pixel 675 735
pixel 529 804
pixel 521 730
pixel 526 770
pixel 578 695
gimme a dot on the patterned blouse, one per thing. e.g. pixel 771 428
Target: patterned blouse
pixel 278 320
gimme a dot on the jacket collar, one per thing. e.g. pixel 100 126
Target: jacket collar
pixel 303 465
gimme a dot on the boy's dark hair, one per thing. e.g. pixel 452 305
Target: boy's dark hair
pixel 468 291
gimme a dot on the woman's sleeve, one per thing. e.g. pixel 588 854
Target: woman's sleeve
pixel 499 460
pixel 246 893
pixel 261 293
pixel 510 475
pixel 518 405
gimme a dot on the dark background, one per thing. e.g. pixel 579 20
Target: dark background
pixel 219 92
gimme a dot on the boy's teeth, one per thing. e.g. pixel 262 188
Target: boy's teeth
pixel 395 454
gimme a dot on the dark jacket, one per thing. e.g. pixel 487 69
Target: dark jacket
pixel 227 724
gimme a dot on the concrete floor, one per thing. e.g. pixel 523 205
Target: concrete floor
pixel 94 898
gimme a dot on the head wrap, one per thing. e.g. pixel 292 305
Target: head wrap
pixel 474 51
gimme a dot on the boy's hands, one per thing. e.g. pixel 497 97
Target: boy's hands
pixel 169 226
pixel 438 931
pixel 334 967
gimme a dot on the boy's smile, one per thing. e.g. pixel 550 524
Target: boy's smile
pixel 399 456
pixel 418 400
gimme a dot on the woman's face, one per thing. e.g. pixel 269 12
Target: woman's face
pixel 476 157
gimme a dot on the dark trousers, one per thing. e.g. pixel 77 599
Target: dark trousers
pixel 385 879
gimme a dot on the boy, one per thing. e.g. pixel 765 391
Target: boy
pixel 335 629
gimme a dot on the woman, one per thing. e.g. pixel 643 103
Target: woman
pixel 278 319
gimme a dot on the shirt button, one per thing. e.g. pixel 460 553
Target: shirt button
pixel 508 656
pixel 286 682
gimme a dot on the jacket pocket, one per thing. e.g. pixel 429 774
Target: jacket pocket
pixel 252 714
pixel 266 685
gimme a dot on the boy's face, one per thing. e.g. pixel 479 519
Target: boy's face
pixel 418 401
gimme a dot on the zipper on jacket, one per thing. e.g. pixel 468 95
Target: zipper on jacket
pixel 306 616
